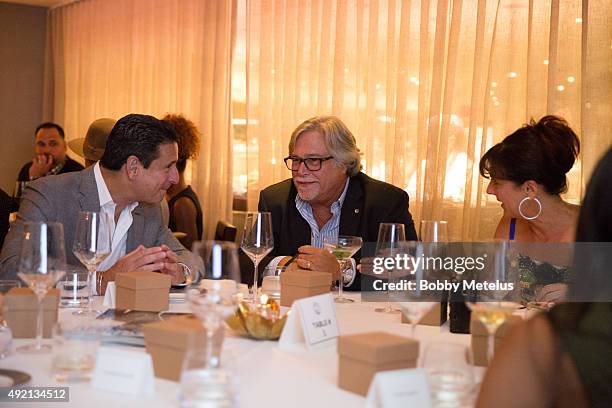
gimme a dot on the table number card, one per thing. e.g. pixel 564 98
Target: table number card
pixel 399 388
pixel 312 322
pixel 124 371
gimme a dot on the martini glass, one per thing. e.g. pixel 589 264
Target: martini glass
pixel 343 248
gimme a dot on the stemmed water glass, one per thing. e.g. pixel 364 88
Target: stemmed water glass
pixel 415 302
pixel 491 307
pixel 92 244
pixel 42 263
pixel 257 241
pixel 343 248
pixel 219 297
pixel 390 238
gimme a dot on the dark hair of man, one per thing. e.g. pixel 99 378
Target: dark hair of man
pixel 50 125
pixel 544 152
pixel 136 135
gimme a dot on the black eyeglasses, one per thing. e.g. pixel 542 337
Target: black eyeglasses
pixel 311 163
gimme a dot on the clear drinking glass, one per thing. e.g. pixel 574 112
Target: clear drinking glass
pixel 449 374
pixel 257 241
pixel 433 231
pixel 19 189
pixel 343 248
pixel 202 386
pixel 390 238
pixel 220 296
pixel 42 263
pixel 6 335
pixel 270 284
pixel 75 344
pixel 92 244
pixel 74 288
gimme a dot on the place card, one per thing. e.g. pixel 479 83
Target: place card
pixel 110 295
pixel 311 323
pixel 124 371
pixel 399 388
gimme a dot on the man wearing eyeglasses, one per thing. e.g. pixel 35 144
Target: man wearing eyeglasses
pixel 328 196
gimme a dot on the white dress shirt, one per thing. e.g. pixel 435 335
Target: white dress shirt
pixel 119 230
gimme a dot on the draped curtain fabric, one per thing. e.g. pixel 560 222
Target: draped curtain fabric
pixel 426 87
pixel 108 58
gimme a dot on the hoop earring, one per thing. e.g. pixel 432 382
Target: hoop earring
pixel 521 210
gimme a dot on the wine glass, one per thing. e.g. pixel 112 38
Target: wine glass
pixel 42 263
pixel 343 248
pixel 390 237
pixel 491 307
pixel 92 244
pixel 414 302
pixel 220 296
pixel 433 231
pixel 449 374
pixel 257 241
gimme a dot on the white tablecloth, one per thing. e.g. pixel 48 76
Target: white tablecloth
pixel 268 376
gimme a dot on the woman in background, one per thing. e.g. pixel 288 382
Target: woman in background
pixel 185 210
pixel 564 357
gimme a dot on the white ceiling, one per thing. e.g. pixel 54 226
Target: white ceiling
pixel 40 3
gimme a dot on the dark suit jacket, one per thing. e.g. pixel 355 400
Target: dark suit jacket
pixel 368 202
pixel 60 198
pixel 69 165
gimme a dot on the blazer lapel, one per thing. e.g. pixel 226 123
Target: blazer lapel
pixel 88 191
pixel 352 208
pixel 136 231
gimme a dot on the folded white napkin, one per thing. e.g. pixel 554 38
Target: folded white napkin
pixel 109 296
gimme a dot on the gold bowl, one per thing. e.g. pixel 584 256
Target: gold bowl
pixel 262 321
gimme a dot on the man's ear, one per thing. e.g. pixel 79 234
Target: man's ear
pixel 132 167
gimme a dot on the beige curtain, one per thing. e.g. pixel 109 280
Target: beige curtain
pixel 426 87
pixel 108 58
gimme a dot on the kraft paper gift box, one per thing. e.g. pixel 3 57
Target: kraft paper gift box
pixel 170 340
pixel 480 335
pixel 363 355
pixel 298 284
pixel 20 311
pixel 437 316
pixel 143 291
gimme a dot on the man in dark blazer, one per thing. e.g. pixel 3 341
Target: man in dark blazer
pixel 138 166
pixel 329 196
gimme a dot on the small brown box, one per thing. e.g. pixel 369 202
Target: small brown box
pixel 169 341
pixel 435 317
pixel 21 309
pixel 298 284
pixel 480 337
pixel 363 355
pixel 144 291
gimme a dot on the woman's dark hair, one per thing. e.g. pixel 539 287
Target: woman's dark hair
pixel 544 152
pixel 188 139
pixel 136 135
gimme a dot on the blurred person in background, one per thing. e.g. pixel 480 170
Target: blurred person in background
pixel 49 154
pixel 183 203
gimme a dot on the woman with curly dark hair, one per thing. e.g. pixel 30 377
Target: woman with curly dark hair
pixel 185 210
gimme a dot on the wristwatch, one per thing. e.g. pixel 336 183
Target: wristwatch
pixel 186 271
